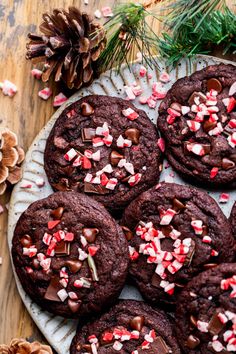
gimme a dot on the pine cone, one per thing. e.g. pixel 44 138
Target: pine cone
pixel 21 346
pixel 69 46
pixel 11 156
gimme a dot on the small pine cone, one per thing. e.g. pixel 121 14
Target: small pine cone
pixel 11 157
pixel 69 46
pixel 21 346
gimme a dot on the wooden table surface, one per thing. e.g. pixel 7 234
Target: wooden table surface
pixel 25 114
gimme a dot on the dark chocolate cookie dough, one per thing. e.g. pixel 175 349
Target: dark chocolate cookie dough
pixel 233 219
pixel 198 122
pixel 70 254
pixel 175 232
pixel 129 327
pixel 206 312
pixel 105 147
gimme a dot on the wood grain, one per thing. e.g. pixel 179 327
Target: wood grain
pixel 25 114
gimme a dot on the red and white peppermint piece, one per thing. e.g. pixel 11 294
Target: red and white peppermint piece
pixel 107 11
pixel 214 253
pixel 217 130
pixel 129 167
pixel 108 140
pixel 111 184
pixel 170 119
pixel 164 77
pixel 36 73
pixel 71 113
pixel 185 110
pixel 227 335
pixel 193 125
pixel 137 90
pixel 160 270
pixel 45 93
pixel 129 92
pixel 69 237
pixel 202 326
pixel 117 345
pixel 167 217
pixel 97 142
pixel 62 294
pixel 8 88
pixel 40 182
pixel 217 346
pixel 206 239
pixel 63 282
pixel 174 267
pixel 70 155
pixel 29 270
pixel 96 156
pixel 63 273
pixel 151 102
pixel 157 91
pixel 232 123
pixel 222 317
pixel 78 161
pixel 142 71
pixel 231 104
pixel 73 295
pixel 83 241
pixel 121 142
pixel 107 337
pixel 170 288
pixel 53 223
pixel 108 168
pixel 161 144
pixel 145 345
pixel 135 179
pixel 172 112
pixel 143 100
pixel 59 100
pixel 232 89
pixel 197 226
pixel 47 238
pixel 96 180
pixel 214 172
pixel 92 339
pixel 97 14
pixel 232 140
pixel 30 251
pixel 94 348
pixel 88 178
pixel 130 113
pixel 82 255
pixel 41 257
pixel 78 284
pixel 133 254
pixel 224 197
pixel 93 250
pixel 196 149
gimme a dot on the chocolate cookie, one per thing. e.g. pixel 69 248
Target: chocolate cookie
pixel 69 254
pixel 174 233
pixel 105 147
pixel 198 122
pixel 129 327
pixel 206 312
pixel 233 219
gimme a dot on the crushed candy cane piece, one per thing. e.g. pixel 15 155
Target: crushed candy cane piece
pixel 36 73
pixel 45 93
pixel 130 113
pixel 214 172
pixel 62 294
pixel 8 88
pixel 161 144
pixel 107 11
pixel 59 100
pixel 164 77
pixel 224 198
pixel 142 71
pixel 98 14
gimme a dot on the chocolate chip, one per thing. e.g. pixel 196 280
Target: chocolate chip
pixel 52 290
pixel 74 305
pixel 95 188
pixel 208 125
pixel 35 263
pixel 176 106
pixel 88 134
pixel 166 230
pixel 62 249
pixel 160 346
pixel 86 109
pixel 73 265
pixel 214 84
pixel 87 348
pixel 90 234
pixel 155 280
pixel 227 164
pixel 194 95
pixel 192 342
pixel 57 213
pixel 128 233
pixel 133 134
pixel 115 157
pixel 190 254
pixel 193 320
pixel 26 241
pixel 137 323
pixel 210 265
pixel 215 325
pixel 178 205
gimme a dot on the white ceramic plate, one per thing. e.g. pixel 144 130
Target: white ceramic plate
pixel 57 330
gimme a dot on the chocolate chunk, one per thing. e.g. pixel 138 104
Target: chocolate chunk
pixel 214 84
pixel 88 134
pixel 159 345
pixel 35 263
pixel 87 348
pixel 194 95
pixel 227 164
pixel 73 265
pixel 90 234
pixel 133 134
pixel 166 230
pixel 208 125
pixel 74 305
pixel 193 320
pixel 57 213
pixel 62 249
pixel 115 157
pixel 155 280
pixel 192 342
pixel 26 241
pixel 94 188
pixel 178 205
pixel 187 145
pixel 128 233
pixel 215 325
pixel 52 290
pixel 137 323
pixel 86 109
pixel 176 106
pixel 190 254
